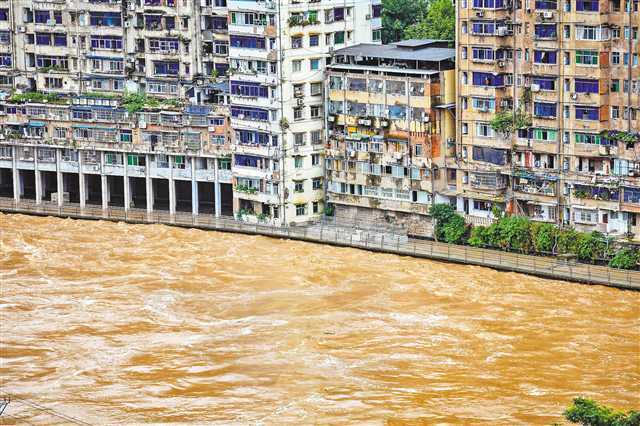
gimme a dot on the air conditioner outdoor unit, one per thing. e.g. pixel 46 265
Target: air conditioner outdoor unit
pixel 300 102
pixel 574 96
pixel 51 22
pixel 535 87
pixel 426 119
pixel 547 15
pixel 22 29
pixel 501 64
pixel 480 14
pixel 368 16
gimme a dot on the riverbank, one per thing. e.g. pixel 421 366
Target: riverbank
pixel 546 267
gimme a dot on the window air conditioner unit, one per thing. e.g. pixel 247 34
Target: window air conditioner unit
pixel 300 102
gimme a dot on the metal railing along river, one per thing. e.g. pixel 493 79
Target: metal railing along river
pixel 549 267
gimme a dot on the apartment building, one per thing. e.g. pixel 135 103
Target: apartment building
pixel 166 48
pixel 390 126
pixel 92 151
pixel 277 56
pixel 570 70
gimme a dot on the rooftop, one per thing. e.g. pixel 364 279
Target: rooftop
pixel 408 50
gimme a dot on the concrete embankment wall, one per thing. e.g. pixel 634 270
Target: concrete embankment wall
pixel 547 267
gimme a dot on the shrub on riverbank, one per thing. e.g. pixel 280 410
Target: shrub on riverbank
pixel 589 413
pixel 519 233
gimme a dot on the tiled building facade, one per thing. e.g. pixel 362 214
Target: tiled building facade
pixel 571 67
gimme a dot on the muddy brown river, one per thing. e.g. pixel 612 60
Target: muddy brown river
pixel 125 324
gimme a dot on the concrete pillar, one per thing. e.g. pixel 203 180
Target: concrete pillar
pixel 82 182
pixel 59 181
pixel 172 188
pixel 148 183
pixel 127 188
pixel 16 175
pixel 38 178
pixel 104 184
pixel 217 195
pixel 194 188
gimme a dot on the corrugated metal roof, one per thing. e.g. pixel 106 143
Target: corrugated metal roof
pixel 411 50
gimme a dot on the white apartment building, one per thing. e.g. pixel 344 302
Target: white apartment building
pixel 277 56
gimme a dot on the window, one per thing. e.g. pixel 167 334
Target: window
pixel 587 113
pixel 298 113
pixel 338 37
pixel 544 109
pixel 316 89
pixel 314 40
pixel 315 111
pixel 247 42
pixel 615 85
pixel 296 42
pixel 299 139
pixel 484 130
pixel 296 65
pixel 587 5
pixel 298 186
pixel 53 83
pixel 588 138
pixel 316 184
pixel 546 31
pixel 615 58
pixel 376 35
pixel 301 209
pixel 315 64
pixel 586 86
pixel 298 162
pixel 587 57
pixel 315 159
pixel 545 57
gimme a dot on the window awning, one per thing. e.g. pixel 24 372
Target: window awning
pixel 33 123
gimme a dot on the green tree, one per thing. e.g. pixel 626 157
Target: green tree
pixel 543 236
pixel 591 247
pixel 397 15
pixel 441 213
pixel 626 258
pixel 479 236
pixel 590 413
pixel 454 230
pixel 514 233
pixel 438 23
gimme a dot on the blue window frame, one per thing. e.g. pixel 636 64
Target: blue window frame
pixel 5 60
pixel 546 4
pixel 166 68
pixel 488 4
pixel 587 6
pixel 245 88
pixel 488 79
pixel 544 109
pixel 486 28
pixel 41 16
pixel 106 42
pixel 545 83
pixel 545 57
pixel 548 31
pixel 584 85
pixel 105 19
pixel 249 113
pixel 247 160
pixel 483 53
pixel 247 42
pixel 587 113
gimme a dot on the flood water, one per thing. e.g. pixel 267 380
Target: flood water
pixel 118 324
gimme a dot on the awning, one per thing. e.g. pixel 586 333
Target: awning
pixel 36 123
pixel 446 106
